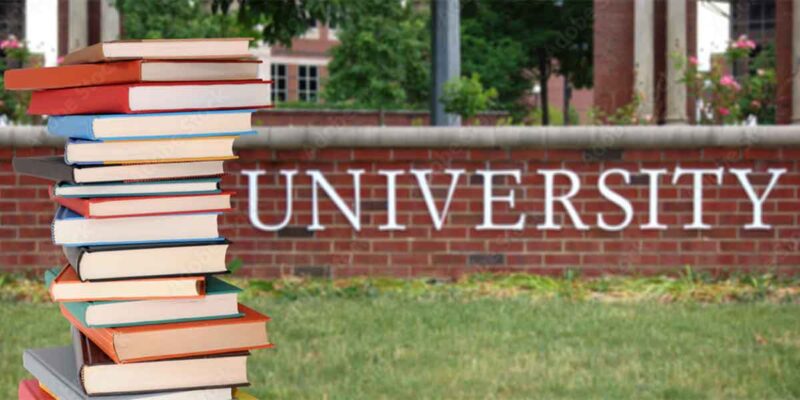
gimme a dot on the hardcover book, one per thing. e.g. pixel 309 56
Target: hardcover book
pixel 64 285
pixel 151 97
pixel 131 189
pixel 181 339
pixel 99 375
pixel 55 368
pixel 87 152
pixel 29 389
pixel 66 76
pixel 152 126
pixel 55 169
pixel 150 205
pixel 219 302
pixel 71 229
pixel 99 263
pixel 212 48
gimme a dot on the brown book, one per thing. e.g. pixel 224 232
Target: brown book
pixel 195 49
pixel 179 339
pixel 99 375
pixel 130 72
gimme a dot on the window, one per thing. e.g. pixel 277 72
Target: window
pixel 280 86
pixel 307 83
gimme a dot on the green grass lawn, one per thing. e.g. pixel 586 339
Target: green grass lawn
pixel 400 346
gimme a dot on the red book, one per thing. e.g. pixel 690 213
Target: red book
pixel 29 389
pixel 129 72
pixel 152 97
pixel 115 207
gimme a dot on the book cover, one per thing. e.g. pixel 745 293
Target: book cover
pixel 60 276
pixel 200 48
pixel 29 389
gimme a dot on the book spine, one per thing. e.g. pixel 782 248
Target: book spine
pixel 103 338
pixel 77 126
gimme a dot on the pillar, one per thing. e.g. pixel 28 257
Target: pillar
pixel 676 44
pixel 795 62
pixel 446 56
pixel 643 45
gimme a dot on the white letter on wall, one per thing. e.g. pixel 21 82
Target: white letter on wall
pixel 252 199
pixel 550 199
pixel 489 199
pixel 318 180
pixel 758 202
pixel 391 201
pixel 422 181
pixel 615 198
pixel 697 183
pixel 654 176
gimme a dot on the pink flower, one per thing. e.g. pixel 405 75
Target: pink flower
pixel 755 104
pixel 9 44
pixel 724 111
pixel 693 60
pixel 59 60
pixel 744 43
pixel 730 82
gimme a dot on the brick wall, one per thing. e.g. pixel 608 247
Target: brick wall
pixel 299 117
pixel 25 214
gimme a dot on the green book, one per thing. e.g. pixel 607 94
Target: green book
pixel 219 302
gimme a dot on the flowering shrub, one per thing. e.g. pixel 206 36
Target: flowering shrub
pixel 13 105
pixel 720 97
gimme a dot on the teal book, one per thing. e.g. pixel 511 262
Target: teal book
pixel 219 302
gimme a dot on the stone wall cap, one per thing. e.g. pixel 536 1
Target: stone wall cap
pixel 578 137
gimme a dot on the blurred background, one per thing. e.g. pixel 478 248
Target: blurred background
pixel 373 62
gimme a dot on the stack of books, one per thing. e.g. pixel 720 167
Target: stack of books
pixel 149 124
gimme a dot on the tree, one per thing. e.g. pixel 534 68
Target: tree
pixel 155 19
pixel 467 97
pixel 383 59
pixel 535 33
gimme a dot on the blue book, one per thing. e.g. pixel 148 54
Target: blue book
pixel 71 229
pixel 106 127
pixel 219 302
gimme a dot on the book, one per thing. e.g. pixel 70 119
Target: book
pixel 64 285
pixel 181 339
pixel 65 76
pixel 152 126
pixel 151 97
pixel 219 302
pixel 86 152
pixel 55 169
pixel 29 389
pixel 151 205
pixel 99 375
pixel 71 229
pixel 99 263
pixel 216 48
pixel 56 370
pixel 134 189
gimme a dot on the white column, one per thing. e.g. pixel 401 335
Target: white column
pixel 78 25
pixel 109 21
pixel 676 44
pixel 643 54
pixel 796 62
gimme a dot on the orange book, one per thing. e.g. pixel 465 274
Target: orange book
pixel 65 285
pixel 180 339
pixel 79 75
pixel 30 389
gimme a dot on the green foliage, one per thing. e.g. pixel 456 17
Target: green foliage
pixel 383 59
pixel 467 97
pixel 178 19
pixel 235 265
pixel 556 117
pixel 14 53
pixel 510 43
